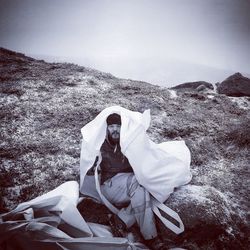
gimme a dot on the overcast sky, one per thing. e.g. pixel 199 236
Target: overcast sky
pixel 162 41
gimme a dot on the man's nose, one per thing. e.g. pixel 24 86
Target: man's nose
pixel 116 127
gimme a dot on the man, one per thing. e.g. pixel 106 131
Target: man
pixel 120 187
pixel 137 174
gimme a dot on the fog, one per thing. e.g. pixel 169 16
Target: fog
pixel 164 42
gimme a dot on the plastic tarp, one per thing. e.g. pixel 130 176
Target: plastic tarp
pixel 52 221
pixel 158 167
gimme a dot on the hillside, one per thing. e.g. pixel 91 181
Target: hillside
pixel 44 105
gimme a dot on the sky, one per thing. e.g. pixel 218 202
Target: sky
pixel 165 42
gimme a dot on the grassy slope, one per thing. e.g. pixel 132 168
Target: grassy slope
pixel 44 106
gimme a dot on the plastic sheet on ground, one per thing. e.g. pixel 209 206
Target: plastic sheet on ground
pixel 52 221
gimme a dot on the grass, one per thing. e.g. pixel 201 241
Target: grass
pixel 44 109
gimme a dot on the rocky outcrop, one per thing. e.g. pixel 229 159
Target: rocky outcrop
pixel 44 106
pixel 199 86
pixel 235 85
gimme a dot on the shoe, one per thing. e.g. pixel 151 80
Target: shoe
pixel 156 244
pixel 118 227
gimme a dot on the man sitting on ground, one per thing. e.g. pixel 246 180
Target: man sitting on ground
pixel 120 187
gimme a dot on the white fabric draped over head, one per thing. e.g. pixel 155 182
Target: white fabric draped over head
pixel 158 167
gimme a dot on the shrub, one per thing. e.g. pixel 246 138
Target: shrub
pixel 92 82
pixel 11 89
pixel 239 133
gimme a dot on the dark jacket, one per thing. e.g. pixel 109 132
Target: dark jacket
pixel 113 162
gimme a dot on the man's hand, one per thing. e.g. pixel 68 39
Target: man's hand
pixel 91 171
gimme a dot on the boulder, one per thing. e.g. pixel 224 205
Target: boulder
pixel 211 219
pixel 199 85
pixel 236 85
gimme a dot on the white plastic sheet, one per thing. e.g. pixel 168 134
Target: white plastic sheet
pixel 52 221
pixel 158 167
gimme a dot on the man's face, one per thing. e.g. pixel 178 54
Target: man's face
pixel 114 132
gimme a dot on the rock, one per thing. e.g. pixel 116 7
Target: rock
pixel 201 88
pixel 199 85
pixel 209 216
pixel 236 85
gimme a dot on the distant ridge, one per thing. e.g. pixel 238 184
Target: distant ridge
pixel 16 58
pixel 5 53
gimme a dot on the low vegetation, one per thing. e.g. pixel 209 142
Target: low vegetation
pixel 44 105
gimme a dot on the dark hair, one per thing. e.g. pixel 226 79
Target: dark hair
pixel 114 119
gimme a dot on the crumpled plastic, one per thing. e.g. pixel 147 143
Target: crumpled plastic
pixel 158 167
pixel 52 221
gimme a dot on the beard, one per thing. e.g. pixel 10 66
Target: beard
pixel 114 137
